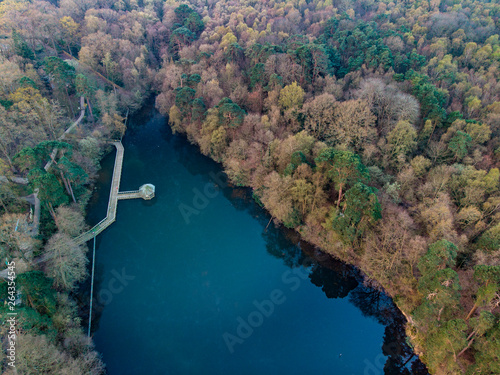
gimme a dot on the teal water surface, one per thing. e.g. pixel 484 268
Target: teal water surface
pixel 197 282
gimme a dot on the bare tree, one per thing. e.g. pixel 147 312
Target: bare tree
pixel 389 104
pixel 65 261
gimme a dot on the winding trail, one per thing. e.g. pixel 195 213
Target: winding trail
pixel 23 180
pixel 34 201
pixel 114 196
pixel 78 120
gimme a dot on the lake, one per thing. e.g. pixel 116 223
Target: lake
pixel 200 281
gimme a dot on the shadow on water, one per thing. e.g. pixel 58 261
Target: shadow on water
pixel 338 280
pixel 334 278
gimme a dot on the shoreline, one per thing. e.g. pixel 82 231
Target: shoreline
pixel 308 238
pixel 302 237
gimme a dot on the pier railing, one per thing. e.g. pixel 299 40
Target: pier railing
pixel 114 196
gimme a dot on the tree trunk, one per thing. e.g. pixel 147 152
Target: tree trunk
pixel 408 360
pixel 340 196
pixel 69 48
pixel 432 132
pixel 474 308
pixel 52 212
pixel 69 101
pixel 66 185
pixel 439 314
pixel 53 155
pixel 468 345
pixel 30 301
pixel 71 190
pixel 453 350
pixel 90 110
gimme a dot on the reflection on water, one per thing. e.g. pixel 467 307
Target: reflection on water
pixel 198 281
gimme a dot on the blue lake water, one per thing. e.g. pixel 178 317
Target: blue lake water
pixel 197 282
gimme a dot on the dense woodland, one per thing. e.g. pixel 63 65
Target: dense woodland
pixel 370 127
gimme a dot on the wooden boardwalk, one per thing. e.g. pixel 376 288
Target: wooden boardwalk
pixel 113 199
pixel 114 196
pixel 129 194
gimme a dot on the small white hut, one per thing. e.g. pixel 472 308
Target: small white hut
pixel 147 191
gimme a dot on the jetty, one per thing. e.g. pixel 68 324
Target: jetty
pixel 146 191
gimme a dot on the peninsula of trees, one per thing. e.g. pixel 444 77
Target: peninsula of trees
pixel 370 127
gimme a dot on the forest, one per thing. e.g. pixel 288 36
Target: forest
pixel 369 127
